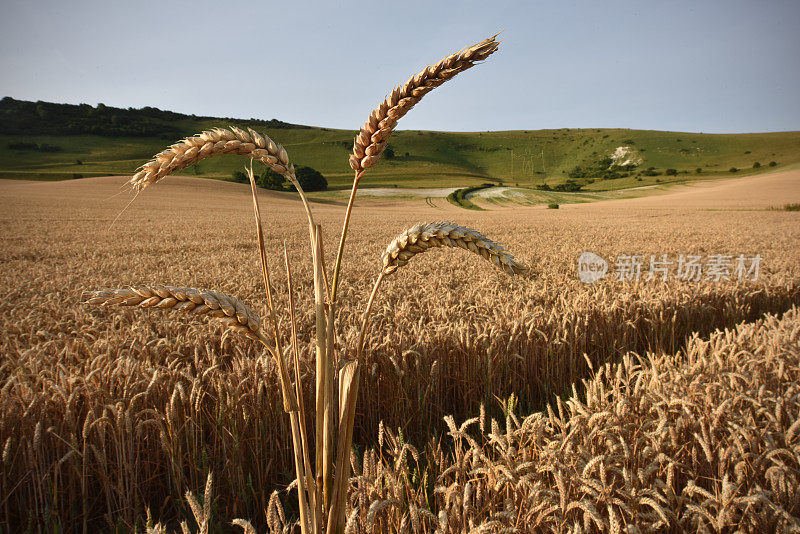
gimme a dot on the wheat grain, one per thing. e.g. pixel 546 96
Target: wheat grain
pixel 230 311
pixel 374 135
pixel 244 525
pixel 213 143
pixel 37 436
pixel 7 451
pixel 424 236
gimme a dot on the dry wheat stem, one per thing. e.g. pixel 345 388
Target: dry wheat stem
pixel 234 313
pixel 324 380
pixel 290 402
pixel 348 396
pixel 308 471
pixel 330 362
pixel 319 382
pixel 374 135
pixel 424 236
pixel 365 319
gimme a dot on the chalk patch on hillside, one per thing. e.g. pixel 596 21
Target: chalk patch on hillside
pixel 625 155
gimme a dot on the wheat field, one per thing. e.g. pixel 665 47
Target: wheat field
pixel 108 417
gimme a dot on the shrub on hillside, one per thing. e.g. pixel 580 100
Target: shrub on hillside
pixel 271 180
pixel 570 186
pixel 239 177
pixel 23 146
pixel 310 179
pixel 44 147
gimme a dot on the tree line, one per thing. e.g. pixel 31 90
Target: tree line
pixel 22 117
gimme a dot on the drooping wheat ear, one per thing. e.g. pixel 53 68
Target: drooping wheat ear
pixel 374 135
pixel 424 236
pixel 235 314
pixel 212 143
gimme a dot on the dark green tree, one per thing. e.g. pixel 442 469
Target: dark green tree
pixel 240 177
pixel 310 179
pixel 271 180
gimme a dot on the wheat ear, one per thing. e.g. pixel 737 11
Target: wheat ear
pixel 231 311
pixel 374 135
pixel 213 143
pixel 424 236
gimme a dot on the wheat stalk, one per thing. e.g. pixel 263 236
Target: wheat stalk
pixel 424 236
pixel 213 143
pixel 374 135
pixel 231 311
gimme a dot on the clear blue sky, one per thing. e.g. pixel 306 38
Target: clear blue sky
pixel 710 66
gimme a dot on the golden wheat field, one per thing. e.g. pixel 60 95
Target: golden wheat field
pixel 487 403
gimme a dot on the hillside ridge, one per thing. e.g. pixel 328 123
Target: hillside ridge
pixel 42 140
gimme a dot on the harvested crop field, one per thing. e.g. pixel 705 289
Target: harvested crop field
pixel 105 414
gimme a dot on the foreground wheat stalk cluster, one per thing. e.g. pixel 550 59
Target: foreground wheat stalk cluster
pixel 322 486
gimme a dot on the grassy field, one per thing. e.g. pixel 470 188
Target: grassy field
pixel 434 159
pixel 106 413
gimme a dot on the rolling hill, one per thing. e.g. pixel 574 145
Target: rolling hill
pixel 45 141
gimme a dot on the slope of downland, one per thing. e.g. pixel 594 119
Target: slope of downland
pixel 421 158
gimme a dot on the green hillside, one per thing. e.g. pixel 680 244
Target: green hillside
pixel 41 144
